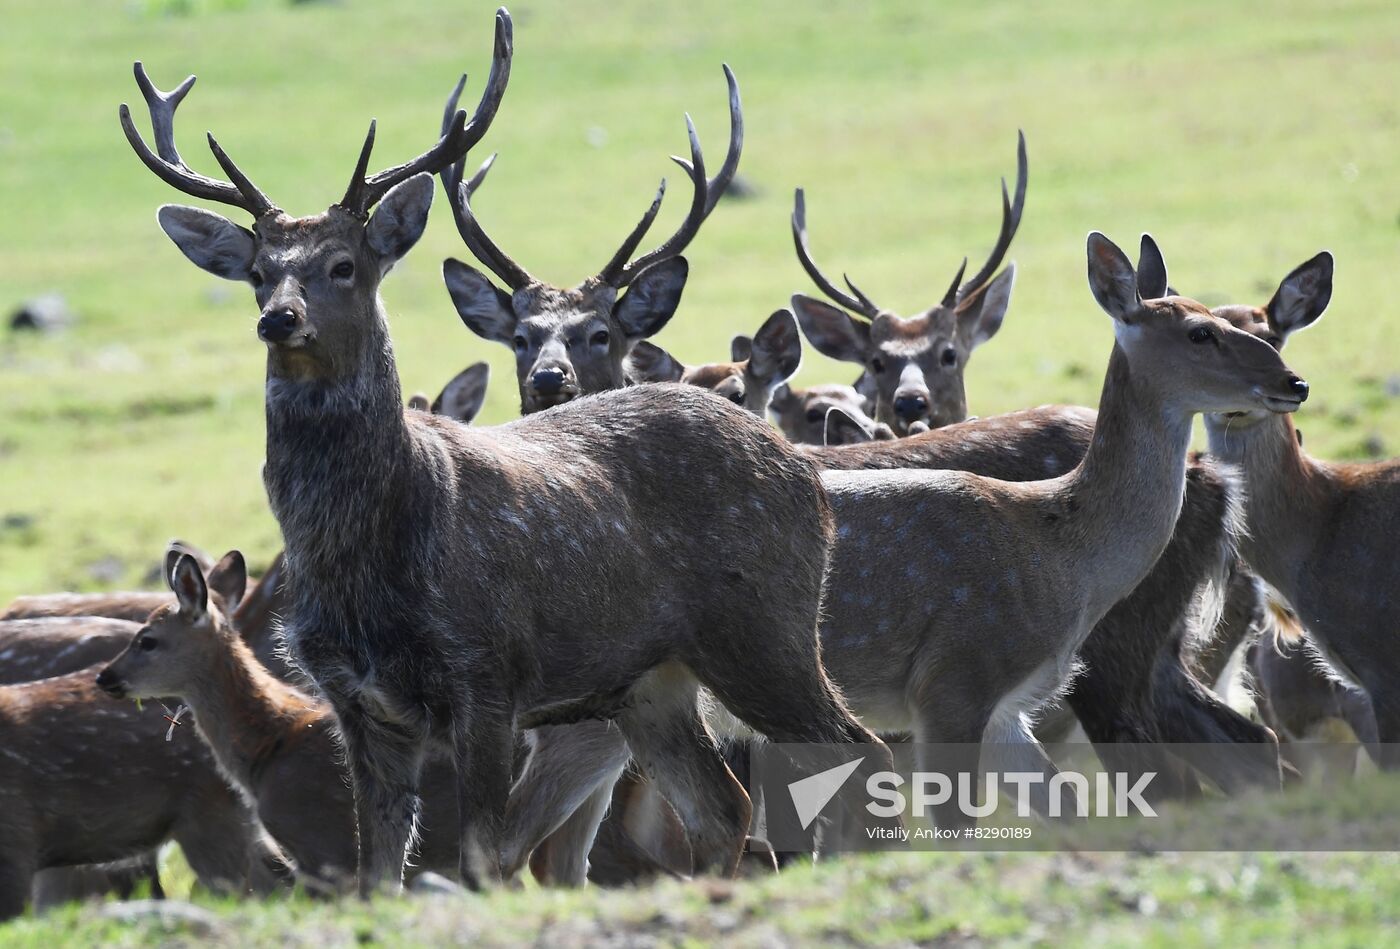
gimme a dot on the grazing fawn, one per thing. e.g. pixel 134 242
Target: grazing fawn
pixel 572 342
pixel 272 741
pixel 412 541
pixel 89 781
pixel 1317 531
pixel 915 364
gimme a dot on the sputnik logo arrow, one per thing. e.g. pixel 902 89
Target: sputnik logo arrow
pixel 813 793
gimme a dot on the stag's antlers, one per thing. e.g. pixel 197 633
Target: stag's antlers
pixel 958 293
pixel 618 272
pixel 458 136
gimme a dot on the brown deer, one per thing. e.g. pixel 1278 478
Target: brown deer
pixel 757 367
pixel 413 541
pixel 572 342
pixel 915 364
pixel 272 741
pixel 128 605
pixel 1316 529
pixel 88 781
pixel 803 415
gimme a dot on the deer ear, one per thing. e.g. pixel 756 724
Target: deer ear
pixel 484 307
pixel 229 579
pixel 187 583
pixel 843 428
pixel 867 389
pixel 784 400
pixel 833 332
pixel 1151 270
pixel 648 362
pixel 463 397
pixel 1112 278
pixel 399 220
pixel 213 243
pixel 740 348
pixel 1302 297
pixel 776 350
pixel 652 298
pixel 983 316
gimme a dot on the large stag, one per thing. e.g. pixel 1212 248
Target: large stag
pixel 449 585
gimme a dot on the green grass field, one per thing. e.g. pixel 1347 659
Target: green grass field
pixel 1244 136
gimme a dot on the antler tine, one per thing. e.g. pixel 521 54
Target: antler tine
pixel 708 191
pixel 1010 221
pixel 482 247
pixel 452 174
pixel 458 134
pixel 951 297
pixel 860 303
pixel 617 266
pixel 720 182
pixel 166 162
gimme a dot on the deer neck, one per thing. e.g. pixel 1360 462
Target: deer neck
pixel 1283 491
pixel 245 714
pixel 1124 498
pixel 336 451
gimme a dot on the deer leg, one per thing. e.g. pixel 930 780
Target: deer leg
pixel 1229 749
pixel 17 869
pixel 568 764
pixel 385 762
pixel 562 858
pixel 226 848
pixel 674 748
pixel 483 746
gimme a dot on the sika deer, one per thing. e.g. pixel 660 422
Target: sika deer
pixel 88 781
pixel 916 363
pixel 1317 530
pixel 1017 575
pixel 461 399
pixel 802 414
pixel 412 540
pixel 572 342
pixel 272 741
pixel 758 366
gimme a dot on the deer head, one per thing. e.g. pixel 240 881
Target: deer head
pixel 757 365
pixel 802 413
pixel 571 342
pixel 179 640
pixel 316 278
pixel 1181 349
pixel 916 364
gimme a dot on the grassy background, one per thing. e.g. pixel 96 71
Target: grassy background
pixel 1245 136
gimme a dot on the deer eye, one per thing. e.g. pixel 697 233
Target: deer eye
pixel 815 415
pixel 146 643
pixel 1200 334
pixel 521 344
pixel 343 270
pixel 877 364
pixel 950 356
pixel 255 278
pixel 600 338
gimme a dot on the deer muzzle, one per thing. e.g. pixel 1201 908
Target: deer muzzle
pixel 111 683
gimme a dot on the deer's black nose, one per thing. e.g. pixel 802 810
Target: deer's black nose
pixel 910 407
pixel 1299 387
pixel 548 381
pixel 108 682
pixel 275 326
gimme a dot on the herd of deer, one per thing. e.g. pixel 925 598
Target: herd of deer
pixel 506 638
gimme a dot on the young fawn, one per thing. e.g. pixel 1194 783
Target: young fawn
pixel 1318 530
pixel 88 781
pixel 272 741
pixel 448 586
